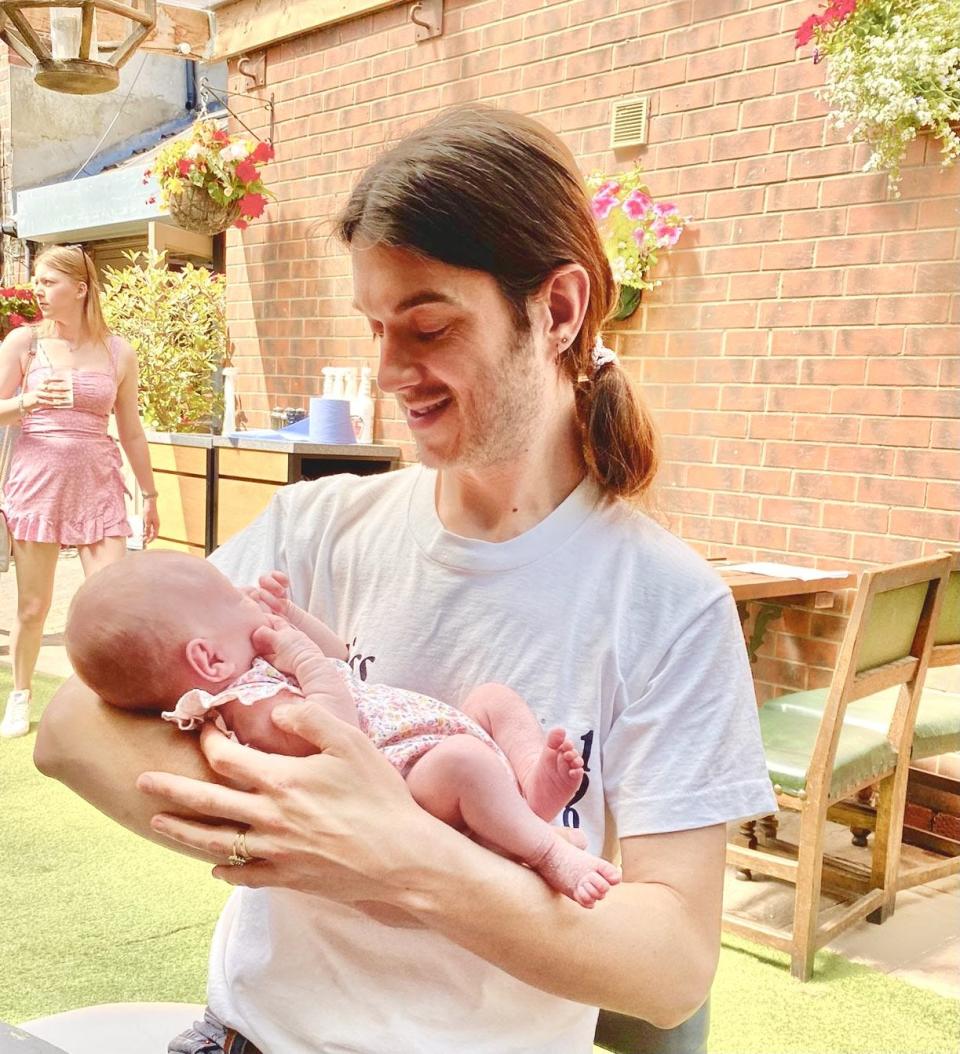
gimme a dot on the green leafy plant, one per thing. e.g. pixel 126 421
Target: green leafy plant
pixel 893 70
pixel 634 229
pixel 223 165
pixel 176 323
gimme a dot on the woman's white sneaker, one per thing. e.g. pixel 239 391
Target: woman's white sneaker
pixel 16 717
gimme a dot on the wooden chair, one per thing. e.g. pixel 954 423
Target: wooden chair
pixel 815 761
pixel 936 731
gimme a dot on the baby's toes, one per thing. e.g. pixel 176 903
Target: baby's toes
pixel 610 872
pixel 557 739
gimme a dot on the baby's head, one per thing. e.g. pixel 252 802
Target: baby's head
pixel 142 631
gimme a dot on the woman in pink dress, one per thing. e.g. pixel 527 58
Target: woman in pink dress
pixel 65 487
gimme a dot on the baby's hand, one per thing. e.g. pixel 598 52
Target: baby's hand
pixel 273 593
pixel 284 645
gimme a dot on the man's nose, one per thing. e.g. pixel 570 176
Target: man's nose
pixel 398 369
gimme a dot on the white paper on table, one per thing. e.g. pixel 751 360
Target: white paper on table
pixel 774 570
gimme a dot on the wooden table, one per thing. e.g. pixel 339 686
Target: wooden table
pixel 745 586
pixel 210 487
pixel 767 589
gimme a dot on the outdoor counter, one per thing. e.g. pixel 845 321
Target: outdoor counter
pixel 210 487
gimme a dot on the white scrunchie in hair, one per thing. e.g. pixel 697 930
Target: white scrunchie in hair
pixel 601 354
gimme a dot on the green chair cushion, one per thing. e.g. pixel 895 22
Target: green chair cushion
pixel 937 729
pixel 891 625
pixel 948 625
pixel 790 733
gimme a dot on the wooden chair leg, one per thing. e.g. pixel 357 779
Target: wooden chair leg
pixel 807 903
pixel 770 825
pixel 860 834
pixel 887 841
pixel 748 829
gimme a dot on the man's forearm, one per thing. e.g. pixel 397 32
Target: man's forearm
pixel 639 952
pixel 98 751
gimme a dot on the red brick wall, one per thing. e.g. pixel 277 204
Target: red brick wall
pixel 801 354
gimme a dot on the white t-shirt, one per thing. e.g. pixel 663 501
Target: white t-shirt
pixel 605 623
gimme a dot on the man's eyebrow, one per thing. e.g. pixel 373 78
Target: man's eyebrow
pixel 428 296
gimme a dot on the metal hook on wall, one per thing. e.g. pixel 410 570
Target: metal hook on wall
pixel 254 68
pixel 427 16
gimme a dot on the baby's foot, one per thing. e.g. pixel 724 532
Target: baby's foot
pixel 554 777
pixel 578 875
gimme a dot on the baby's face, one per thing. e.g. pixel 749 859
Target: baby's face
pixel 235 617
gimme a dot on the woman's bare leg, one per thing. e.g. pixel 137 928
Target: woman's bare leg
pixel 462 782
pixel 99 554
pixel 36 567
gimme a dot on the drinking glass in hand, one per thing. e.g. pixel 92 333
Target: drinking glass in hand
pixel 62 378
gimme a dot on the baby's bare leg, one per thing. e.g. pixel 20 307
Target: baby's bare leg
pixel 463 782
pixel 549 767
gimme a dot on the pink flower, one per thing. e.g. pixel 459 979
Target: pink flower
pixel 805 32
pixel 241 225
pixel 184 164
pixel 637 204
pixel 247 172
pixel 262 153
pixel 838 11
pixel 220 136
pixel 667 233
pixel 16 320
pixel 252 205
pixel 610 187
pixel 664 208
pixel 603 205
pixel 640 237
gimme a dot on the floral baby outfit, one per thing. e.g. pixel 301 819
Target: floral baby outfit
pixel 403 725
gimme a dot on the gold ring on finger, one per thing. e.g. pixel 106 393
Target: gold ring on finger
pixel 239 855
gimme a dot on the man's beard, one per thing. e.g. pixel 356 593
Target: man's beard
pixel 500 424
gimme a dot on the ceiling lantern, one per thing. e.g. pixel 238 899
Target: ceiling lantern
pixel 58 37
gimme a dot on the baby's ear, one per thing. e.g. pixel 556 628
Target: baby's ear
pixel 204 658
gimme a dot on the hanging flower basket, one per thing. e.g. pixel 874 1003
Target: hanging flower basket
pixel 194 210
pixel 635 230
pixel 18 307
pixel 893 71
pixel 627 303
pixel 210 181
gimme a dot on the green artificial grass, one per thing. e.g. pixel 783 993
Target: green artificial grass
pixel 93 914
pixel 756 1007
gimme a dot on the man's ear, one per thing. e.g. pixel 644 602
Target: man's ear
pixel 204 658
pixel 565 293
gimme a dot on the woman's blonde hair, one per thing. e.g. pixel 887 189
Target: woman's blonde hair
pixel 72 261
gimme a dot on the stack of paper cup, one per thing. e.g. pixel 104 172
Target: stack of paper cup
pixel 330 421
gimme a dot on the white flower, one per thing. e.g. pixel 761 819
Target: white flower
pixel 234 152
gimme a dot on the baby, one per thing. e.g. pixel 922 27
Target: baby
pixel 168 632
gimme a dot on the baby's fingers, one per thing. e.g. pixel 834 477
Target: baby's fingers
pixel 266 639
pixel 270 603
pixel 276 583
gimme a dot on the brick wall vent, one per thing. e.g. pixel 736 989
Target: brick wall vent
pixel 628 127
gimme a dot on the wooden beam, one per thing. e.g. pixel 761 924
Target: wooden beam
pixel 751 930
pixel 251 25
pixel 175 26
